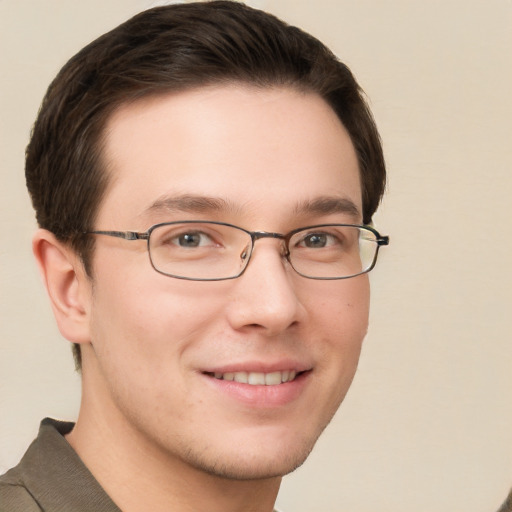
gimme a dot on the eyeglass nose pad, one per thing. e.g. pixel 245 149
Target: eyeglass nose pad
pixel 245 253
pixel 284 250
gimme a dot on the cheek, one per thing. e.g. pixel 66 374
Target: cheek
pixel 343 309
pixel 150 318
pixel 342 318
pixel 143 338
pixel 352 316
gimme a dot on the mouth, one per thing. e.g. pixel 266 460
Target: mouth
pixel 258 378
pixel 251 386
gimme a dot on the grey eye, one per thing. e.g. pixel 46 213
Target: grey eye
pixel 189 240
pixel 315 240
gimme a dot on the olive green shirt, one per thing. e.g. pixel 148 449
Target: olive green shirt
pixel 507 506
pixel 51 478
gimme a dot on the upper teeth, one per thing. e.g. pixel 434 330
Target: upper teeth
pixel 258 378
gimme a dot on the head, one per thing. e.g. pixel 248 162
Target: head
pixel 218 56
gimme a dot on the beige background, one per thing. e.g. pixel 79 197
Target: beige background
pixel 428 423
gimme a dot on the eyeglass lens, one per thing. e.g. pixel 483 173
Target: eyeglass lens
pixel 209 250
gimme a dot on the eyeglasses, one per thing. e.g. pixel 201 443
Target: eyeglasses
pixel 215 251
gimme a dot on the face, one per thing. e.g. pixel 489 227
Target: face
pixel 162 349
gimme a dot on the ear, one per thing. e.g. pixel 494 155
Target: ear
pixel 67 284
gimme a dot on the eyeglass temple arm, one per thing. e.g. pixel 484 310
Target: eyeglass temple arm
pixel 126 235
pixel 383 240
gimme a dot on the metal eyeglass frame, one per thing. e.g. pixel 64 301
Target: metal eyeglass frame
pixel 255 235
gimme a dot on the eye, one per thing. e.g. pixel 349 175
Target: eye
pixel 192 239
pixel 317 240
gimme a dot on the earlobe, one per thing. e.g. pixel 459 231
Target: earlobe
pixel 67 285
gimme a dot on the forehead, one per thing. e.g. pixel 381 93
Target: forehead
pixel 254 149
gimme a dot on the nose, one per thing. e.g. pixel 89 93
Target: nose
pixel 264 297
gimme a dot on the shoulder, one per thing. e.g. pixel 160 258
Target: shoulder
pixel 19 487
pixel 14 496
pixel 51 477
pixel 507 506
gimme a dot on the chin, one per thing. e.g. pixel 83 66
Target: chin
pixel 252 468
pixel 273 459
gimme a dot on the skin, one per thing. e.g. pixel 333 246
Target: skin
pixel 156 430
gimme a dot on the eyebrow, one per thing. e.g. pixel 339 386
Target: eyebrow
pixel 192 204
pixel 326 205
pixel 189 203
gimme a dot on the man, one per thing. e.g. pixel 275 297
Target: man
pixel 204 177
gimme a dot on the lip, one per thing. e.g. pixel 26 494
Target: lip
pixel 259 396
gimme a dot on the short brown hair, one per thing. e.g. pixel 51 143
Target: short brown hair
pixel 173 48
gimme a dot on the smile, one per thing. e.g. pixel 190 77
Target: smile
pixel 258 378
